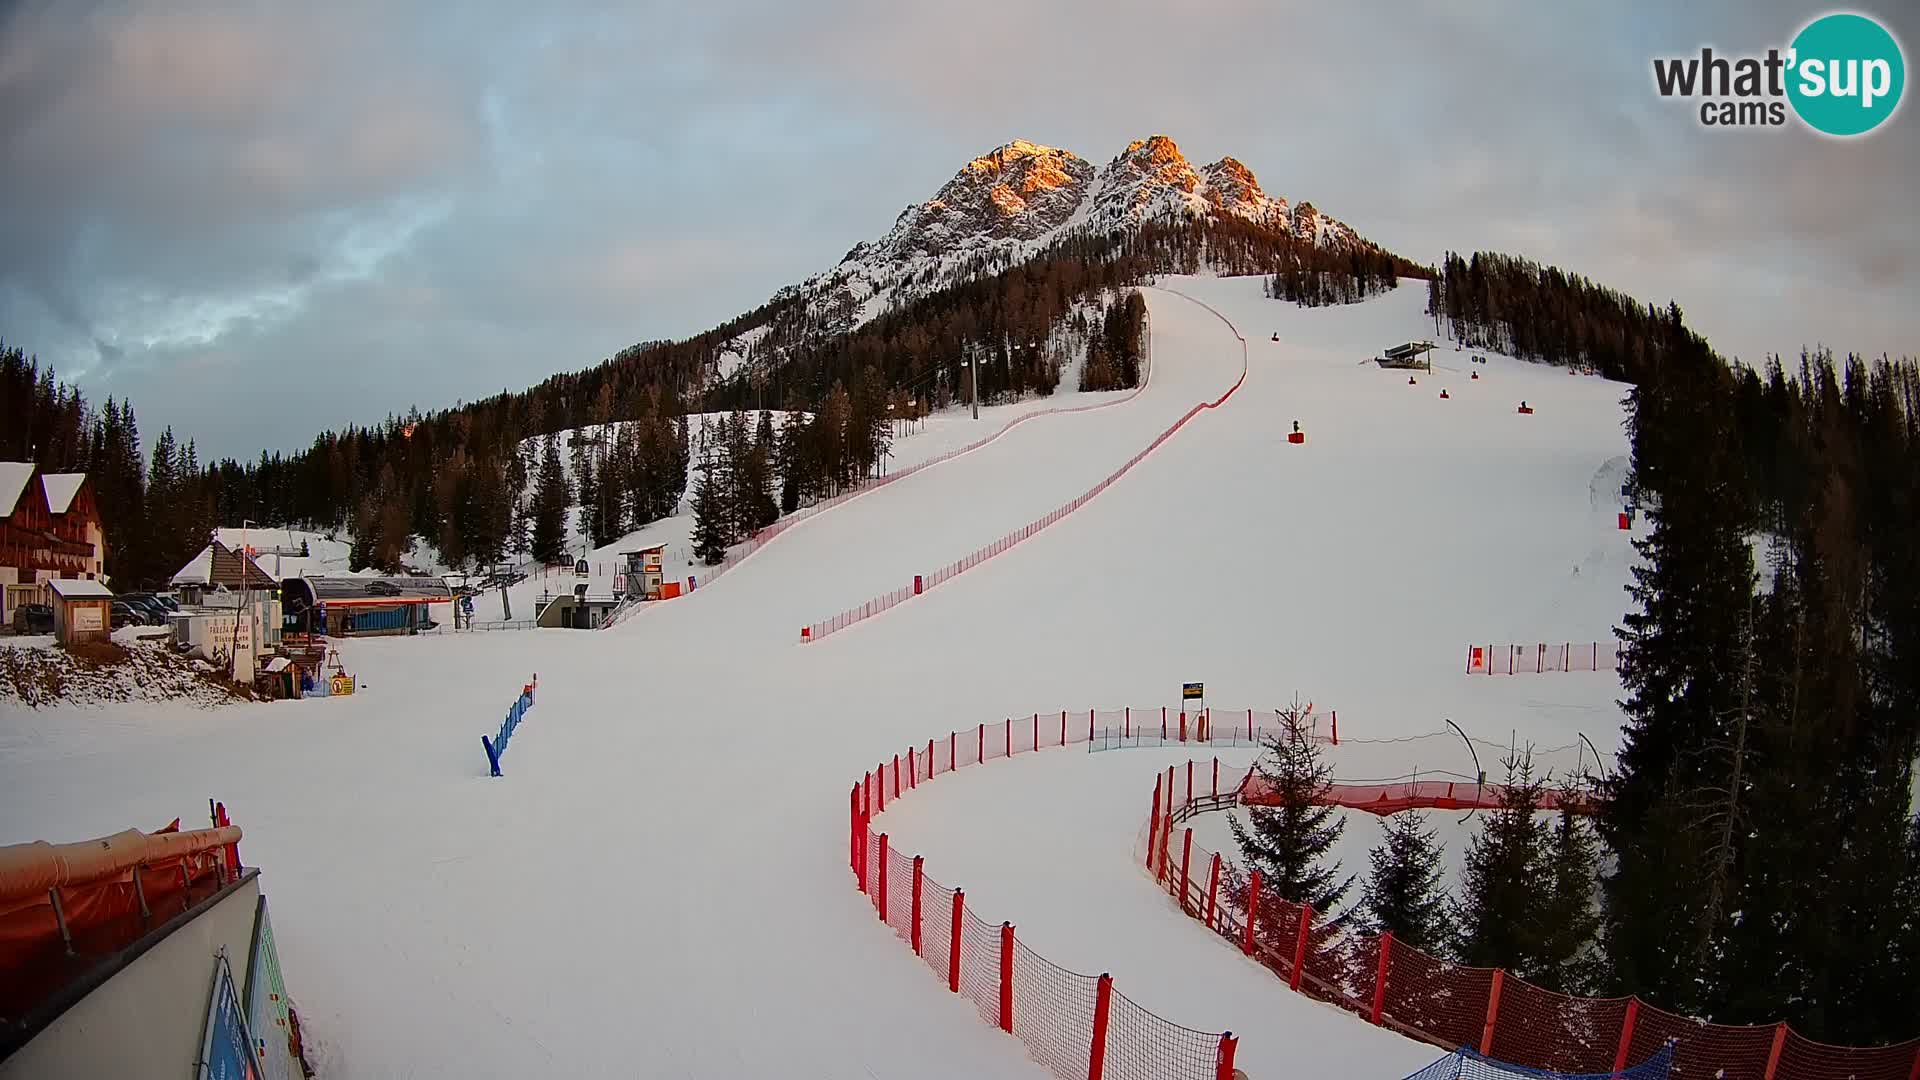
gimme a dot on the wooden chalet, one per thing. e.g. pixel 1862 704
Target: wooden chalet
pixel 49 528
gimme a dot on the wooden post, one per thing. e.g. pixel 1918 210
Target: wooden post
pixel 1186 859
pixel 1213 889
pixel 1300 946
pixel 1493 1011
pixel 1153 823
pixel 953 947
pixel 1102 1003
pixel 1773 1055
pixel 1006 977
pixel 883 877
pixel 1253 911
pixel 1626 1036
pixel 918 872
pixel 1380 977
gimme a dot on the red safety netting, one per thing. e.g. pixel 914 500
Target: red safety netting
pixel 1051 1010
pixel 1006 543
pixel 1502 1016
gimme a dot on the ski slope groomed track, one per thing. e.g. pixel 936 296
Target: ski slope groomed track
pixel 659 884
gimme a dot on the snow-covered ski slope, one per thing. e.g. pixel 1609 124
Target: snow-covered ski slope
pixel 658 885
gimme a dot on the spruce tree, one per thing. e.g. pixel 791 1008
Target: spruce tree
pixel 551 499
pixel 712 516
pixel 1505 884
pixel 1290 841
pixel 1404 893
pixel 1570 923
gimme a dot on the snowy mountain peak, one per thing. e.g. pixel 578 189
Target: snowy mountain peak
pixel 1008 204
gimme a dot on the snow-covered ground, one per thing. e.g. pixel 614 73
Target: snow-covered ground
pixel 658 884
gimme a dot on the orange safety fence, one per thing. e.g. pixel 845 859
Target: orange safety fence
pixel 1451 1005
pixel 1076 1025
pixel 1542 657
pixel 921 583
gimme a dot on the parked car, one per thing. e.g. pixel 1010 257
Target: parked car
pixel 149 607
pixel 33 619
pixel 125 614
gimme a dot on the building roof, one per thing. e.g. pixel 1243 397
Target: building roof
pixel 13 480
pixel 61 488
pixel 79 589
pixel 347 589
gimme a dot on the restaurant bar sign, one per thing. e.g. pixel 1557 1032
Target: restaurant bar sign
pixel 1193 691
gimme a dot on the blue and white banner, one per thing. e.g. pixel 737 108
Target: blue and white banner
pixel 226 1050
pixel 267 1005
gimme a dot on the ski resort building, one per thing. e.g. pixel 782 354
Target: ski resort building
pixel 362 606
pixel 1411 354
pixel 49 528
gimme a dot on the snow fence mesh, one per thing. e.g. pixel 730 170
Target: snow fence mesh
pixel 1053 1010
pixel 1511 1021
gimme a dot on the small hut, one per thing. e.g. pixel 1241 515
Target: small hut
pixel 82 611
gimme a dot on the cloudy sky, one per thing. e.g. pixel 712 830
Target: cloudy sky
pixel 262 220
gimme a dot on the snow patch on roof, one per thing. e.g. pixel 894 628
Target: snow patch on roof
pixel 13 480
pixel 73 589
pixel 61 488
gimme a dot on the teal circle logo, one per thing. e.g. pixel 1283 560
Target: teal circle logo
pixel 1846 74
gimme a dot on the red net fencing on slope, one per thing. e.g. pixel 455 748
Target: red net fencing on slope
pixel 1495 1012
pixel 873 607
pixel 1542 657
pixel 1056 1013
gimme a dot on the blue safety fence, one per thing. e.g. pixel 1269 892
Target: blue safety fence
pixel 496 747
pixel 1464 1064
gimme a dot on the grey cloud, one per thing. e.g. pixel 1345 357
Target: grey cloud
pixel 384 205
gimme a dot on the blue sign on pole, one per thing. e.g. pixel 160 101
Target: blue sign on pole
pixel 226 1051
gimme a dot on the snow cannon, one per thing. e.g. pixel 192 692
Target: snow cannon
pixel 1626 521
pixel 1410 380
pixel 1476 374
pixel 1443 395
pixel 1296 436
pixel 1526 409
pixel 1276 335
pixel 806 634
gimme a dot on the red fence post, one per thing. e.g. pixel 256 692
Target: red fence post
pixel 953 738
pixel 896 776
pixel 1126 722
pixel 1213 889
pixel 853 832
pixel 1336 727
pixel 883 877
pixel 1089 725
pixel 1009 736
pixel 1183 725
pixel 1163 723
pixel 980 755
pixel 1216 777
pixel 1253 911
pixel 1102 1003
pixel 1300 945
pixel 918 872
pixel 932 766
pixel 953 948
pixel 1773 1056
pixel 1006 977
pixel 1626 1036
pixel 1915 1074
pixel 880 786
pixel 1380 977
pixel 1036 731
pixel 1187 804
pixel 1063 727
pixel 913 769
pixel 1153 823
pixel 1493 1011
pixel 1186 859
pixel 1228 1044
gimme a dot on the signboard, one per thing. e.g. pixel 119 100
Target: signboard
pixel 340 685
pixel 242 641
pixel 86 616
pixel 267 1009
pixel 1193 690
pixel 226 1050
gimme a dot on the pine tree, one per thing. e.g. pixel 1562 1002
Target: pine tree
pixel 1404 893
pixel 1289 842
pixel 550 502
pixel 712 516
pixel 1505 884
pixel 1570 925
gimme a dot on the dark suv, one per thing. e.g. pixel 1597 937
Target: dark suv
pixel 33 619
